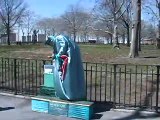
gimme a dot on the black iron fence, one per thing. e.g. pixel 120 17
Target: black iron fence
pixel 123 85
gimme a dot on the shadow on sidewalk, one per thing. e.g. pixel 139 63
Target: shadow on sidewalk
pixel 100 107
pixel 6 108
pixel 137 114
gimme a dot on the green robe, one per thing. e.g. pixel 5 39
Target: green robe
pixel 69 83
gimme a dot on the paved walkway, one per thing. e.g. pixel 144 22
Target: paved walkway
pixel 16 108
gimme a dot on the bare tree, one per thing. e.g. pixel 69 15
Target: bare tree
pixel 136 6
pixel 111 11
pixel 47 25
pixel 86 26
pixel 104 29
pixel 125 20
pixel 158 36
pixel 74 18
pixel 148 31
pixel 10 12
pixel 153 8
pixel 2 29
pixel 29 22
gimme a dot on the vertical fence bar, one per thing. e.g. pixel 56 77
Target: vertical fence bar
pixel 105 82
pixel 40 73
pixel 32 80
pixel 86 78
pixel 5 75
pixel 25 75
pixel 22 77
pixel 119 86
pixel 141 89
pixel 9 77
pixel 114 86
pixel 28 81
pixel 36 79
pixel 15 76
pixel 130 87
pixel 91 85
pixel 110 86
pixel 44 62
pixel 152 89
pixel 2 73
pixel 157 90
pixel 135 86
pixel 18 82
pixel 101 84
pixel 125 72
pixel 96 83
pixel 146 80
pixel 12 74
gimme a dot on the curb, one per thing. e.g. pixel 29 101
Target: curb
pixel 17 96
pixel 131 111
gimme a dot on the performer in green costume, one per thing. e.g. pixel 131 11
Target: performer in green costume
pixel 68 68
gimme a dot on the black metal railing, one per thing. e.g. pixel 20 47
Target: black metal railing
pixel 123 84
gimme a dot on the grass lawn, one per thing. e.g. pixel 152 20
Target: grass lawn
pixel 90 53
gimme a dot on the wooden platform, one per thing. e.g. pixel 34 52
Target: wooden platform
pixel 55 106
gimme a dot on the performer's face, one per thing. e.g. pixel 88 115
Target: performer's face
pixel 49 41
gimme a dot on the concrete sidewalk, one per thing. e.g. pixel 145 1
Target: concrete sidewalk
pixel 19 108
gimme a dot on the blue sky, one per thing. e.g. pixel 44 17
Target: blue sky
pixel 53 8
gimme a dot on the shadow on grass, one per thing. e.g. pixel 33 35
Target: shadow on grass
pixel 151 56
pixel 6 108
pixel 100 107
pixel 138 113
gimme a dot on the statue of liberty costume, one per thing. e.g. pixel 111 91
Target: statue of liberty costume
pixel 68 68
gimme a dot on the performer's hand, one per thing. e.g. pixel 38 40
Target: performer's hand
pixel 49 56
pixel 57 56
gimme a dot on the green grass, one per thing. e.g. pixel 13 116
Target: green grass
pixel 90 53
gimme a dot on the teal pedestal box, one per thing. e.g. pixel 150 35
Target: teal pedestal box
pixel 81 109
pixel 49 80
pixel 48 76
pixel 40 105
pixel 58 108
pixel 52 105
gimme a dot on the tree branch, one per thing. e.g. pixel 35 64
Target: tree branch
pixel 101 30
pixel 121 14
pixel 3 19
pixel 152 11
pixel 119 7
pixel 17 17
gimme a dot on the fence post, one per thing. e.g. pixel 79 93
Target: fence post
pixel 15 77
pixel 157 90
pixel 114 85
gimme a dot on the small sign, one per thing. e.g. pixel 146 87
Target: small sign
pixel 48 71
pixel 57 108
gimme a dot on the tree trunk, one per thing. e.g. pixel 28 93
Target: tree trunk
pixel 123 38
pixel 28 38
pixel 115 37
pixel 128 36
pixel 134 40
pixel 8 35
pixel 85 37
pixel 74 36
pixel 139 27
pixel 158 36
pixel 111 39
pixel 136 4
